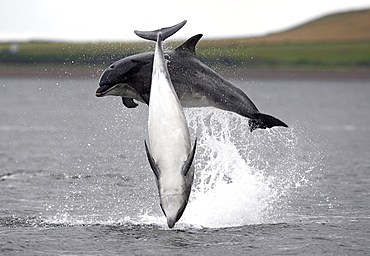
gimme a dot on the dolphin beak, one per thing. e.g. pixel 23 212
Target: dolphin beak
pixel 104 89
pixel 171 222
pixel 173 214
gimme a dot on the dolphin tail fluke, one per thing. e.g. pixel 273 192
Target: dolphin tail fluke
pixel 166 32
pixel 264 121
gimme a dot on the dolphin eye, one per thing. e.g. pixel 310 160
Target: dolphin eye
pixel 112 66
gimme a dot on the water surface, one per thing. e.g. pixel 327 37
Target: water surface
pixel 74 178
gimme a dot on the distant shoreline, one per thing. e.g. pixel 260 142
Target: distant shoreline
pixel 77 71
pixel 297 74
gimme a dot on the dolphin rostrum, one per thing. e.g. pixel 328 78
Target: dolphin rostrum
pixel 170 155
pixel 196 84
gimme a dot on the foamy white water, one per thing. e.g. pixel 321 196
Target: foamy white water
pixel 241 178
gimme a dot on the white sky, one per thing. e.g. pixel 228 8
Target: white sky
pixel 115 20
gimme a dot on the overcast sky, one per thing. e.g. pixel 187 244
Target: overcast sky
pixel 115 20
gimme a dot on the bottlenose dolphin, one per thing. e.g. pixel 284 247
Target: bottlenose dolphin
pixel 170 155
pixel 196 84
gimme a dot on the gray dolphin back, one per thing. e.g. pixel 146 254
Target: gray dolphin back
pixel 165 32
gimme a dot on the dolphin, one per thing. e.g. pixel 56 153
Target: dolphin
pixel 170 154
pixel 196 84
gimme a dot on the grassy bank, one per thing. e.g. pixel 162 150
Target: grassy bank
pixel 66 52
pixel 299 55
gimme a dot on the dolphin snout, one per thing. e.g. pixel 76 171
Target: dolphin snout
pixel 173 207
pixel 107 89
pixel 171 222
pixel 101 91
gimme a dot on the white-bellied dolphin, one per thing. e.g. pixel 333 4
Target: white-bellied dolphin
pixel 196 84
pixel 170 154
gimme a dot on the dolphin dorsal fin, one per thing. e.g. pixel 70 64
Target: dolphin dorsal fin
pixel 189 45
pixel 166 32
pixel 189 161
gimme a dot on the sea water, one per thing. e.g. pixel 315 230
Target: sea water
pixel 75 178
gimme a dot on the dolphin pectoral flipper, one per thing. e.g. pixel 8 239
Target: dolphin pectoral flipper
pixel 166 32
pixel 129 103
pixel 189 161
pixel 264 121
pixel 152 163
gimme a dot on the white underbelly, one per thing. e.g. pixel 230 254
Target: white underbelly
pixel 168 131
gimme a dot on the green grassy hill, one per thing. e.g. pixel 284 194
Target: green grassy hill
pixel 345 26
pixel 337 41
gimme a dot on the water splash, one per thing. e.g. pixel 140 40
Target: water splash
pixel 243 178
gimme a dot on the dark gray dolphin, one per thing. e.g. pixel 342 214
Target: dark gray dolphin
pixel 196 84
